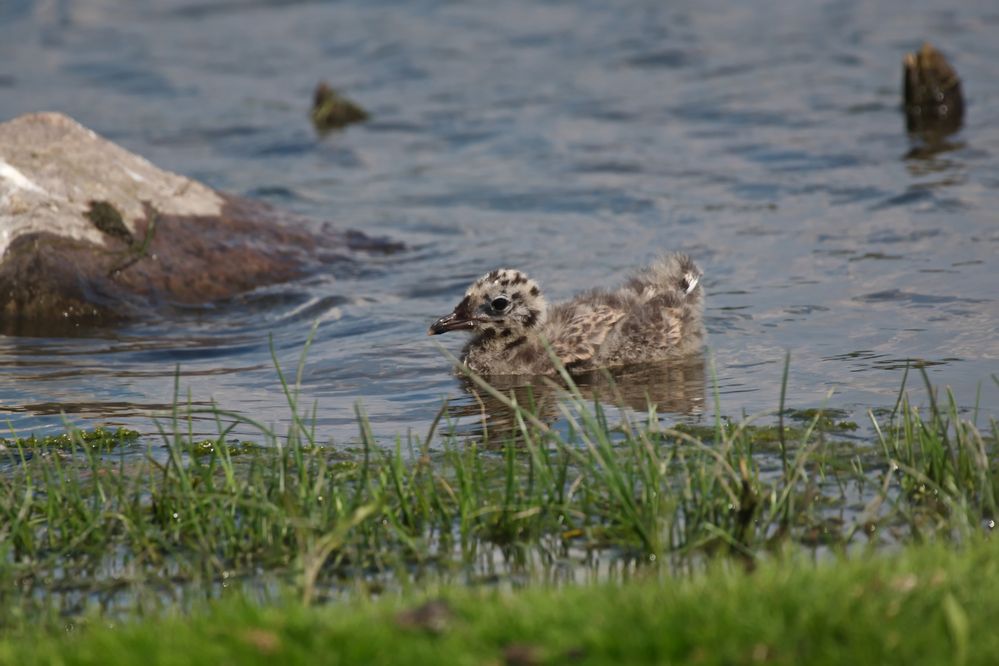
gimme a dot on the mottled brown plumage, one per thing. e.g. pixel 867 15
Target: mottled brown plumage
pixel 655 315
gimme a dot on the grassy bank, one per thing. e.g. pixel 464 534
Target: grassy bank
pixel 110 521
pixel 610 537
pixel 928 604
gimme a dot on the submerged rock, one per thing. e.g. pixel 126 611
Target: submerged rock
pixel 91 233
pixel 331 110
pixel 932 94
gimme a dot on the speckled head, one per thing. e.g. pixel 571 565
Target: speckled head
pixel 503 303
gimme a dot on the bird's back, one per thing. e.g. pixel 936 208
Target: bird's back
pixel 656 314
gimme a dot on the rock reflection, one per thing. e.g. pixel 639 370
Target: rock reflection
pixel 673 386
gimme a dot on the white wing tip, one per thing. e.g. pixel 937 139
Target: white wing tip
pixel 691 279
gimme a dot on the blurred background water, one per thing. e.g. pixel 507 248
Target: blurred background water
pixel 573 140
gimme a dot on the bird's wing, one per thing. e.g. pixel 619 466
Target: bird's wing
pixel 583 333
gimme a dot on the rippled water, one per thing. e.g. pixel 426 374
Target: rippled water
pixel 572 140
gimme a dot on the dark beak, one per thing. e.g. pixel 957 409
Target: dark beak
pixel 451 322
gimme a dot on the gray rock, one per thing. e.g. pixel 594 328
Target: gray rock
pixel 91 233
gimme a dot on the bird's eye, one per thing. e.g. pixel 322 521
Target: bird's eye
pixel 499 303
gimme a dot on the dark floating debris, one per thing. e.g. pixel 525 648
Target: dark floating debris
pixel 331 110
pixel 934 104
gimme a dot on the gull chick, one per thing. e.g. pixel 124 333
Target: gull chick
pixel 654 315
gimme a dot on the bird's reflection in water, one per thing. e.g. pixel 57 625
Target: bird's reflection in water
pixel 674 387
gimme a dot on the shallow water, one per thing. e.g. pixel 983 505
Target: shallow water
pixel 572 140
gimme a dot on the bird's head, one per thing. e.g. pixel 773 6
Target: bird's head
pixel 502 303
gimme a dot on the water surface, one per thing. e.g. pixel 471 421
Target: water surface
pixel 574 141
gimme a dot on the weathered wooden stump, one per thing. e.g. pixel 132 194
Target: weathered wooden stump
pixel 932 94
